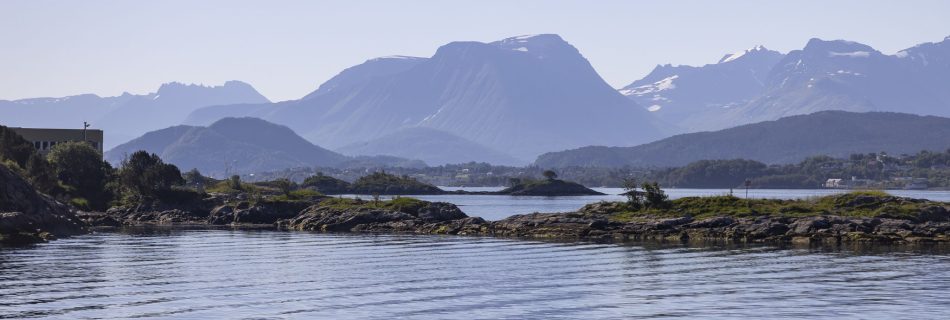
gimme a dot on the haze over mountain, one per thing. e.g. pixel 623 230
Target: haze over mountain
pixel 127 116
pixel 435 147
pixel 521 96
pixel 824 75
pixel 230 145
pixel 787 140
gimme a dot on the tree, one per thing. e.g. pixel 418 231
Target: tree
pixel 634 197
pixel 549 174
pixel 16 150
pixel 146 174
pixel 80 167
pixel 654 196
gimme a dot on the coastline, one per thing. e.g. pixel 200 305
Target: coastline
pixel 599 222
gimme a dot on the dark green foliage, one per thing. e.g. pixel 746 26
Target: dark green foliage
pixel 654 197
pixel 634 196
pixel 147 175
pixel 384 183
pixel 549 174
pixel 326 184
pixel 14 150
pixel 41 175
pixel 79 166
pixel 14 147
pixel 194 178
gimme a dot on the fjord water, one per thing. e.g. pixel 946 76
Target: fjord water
pixel 198 274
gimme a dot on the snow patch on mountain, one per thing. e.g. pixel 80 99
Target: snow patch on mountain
pixel 737 55
pixel 854 54
pixel 662 85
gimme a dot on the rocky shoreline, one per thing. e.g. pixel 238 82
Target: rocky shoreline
pixel 595 222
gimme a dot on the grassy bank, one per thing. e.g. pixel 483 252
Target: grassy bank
pixel 854 204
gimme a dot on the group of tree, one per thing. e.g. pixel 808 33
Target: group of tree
pixel 651 196
pixel 74 172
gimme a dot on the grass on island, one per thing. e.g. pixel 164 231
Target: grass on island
pixel 852 204
pixel 403 204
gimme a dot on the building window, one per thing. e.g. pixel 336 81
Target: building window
pixel 37 145
pixel 45 145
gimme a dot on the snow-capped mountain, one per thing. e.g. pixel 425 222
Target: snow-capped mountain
pixel 758 85
pixel 845 75
pixel 521 96
pixel 127 116
pixel 683 94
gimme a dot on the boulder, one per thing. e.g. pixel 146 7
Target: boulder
pixel 440 211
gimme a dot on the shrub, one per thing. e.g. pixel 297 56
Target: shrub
pixel 146 174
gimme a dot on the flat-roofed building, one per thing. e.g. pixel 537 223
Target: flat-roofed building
pixel 44 139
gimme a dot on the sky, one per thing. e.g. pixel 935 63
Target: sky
pixel 285 49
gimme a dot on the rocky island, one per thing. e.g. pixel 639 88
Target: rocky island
pixel 852 217
pixel 548 188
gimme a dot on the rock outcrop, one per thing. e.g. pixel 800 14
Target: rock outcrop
pixel 29 216
pixel 429 217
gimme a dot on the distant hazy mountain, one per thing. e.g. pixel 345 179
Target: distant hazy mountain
pixel 682 94
pixel 231 144
pixel 790 139
pixel 521 96
pixel 824 75
pixel 127 116
pixel 435 147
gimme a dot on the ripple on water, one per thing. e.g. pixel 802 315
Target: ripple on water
pixel 263 274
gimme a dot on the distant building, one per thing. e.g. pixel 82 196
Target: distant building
pixel 44 139
pixel 835 184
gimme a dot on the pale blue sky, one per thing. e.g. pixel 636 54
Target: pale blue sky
pixel 287 48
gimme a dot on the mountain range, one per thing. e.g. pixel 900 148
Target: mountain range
pixel 759 85
pixel 127 116
pixel 520 96
pixel 508 101
pixel 787 140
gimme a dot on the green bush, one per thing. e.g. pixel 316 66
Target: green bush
pixel 80 203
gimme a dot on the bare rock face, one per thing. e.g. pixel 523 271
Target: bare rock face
pixel 431 217
pixel 29 216
pixel 264 212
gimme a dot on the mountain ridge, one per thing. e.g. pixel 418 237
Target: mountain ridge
pixel 787 140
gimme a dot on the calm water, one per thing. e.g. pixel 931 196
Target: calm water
pixel 500 207
pixel 197 274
